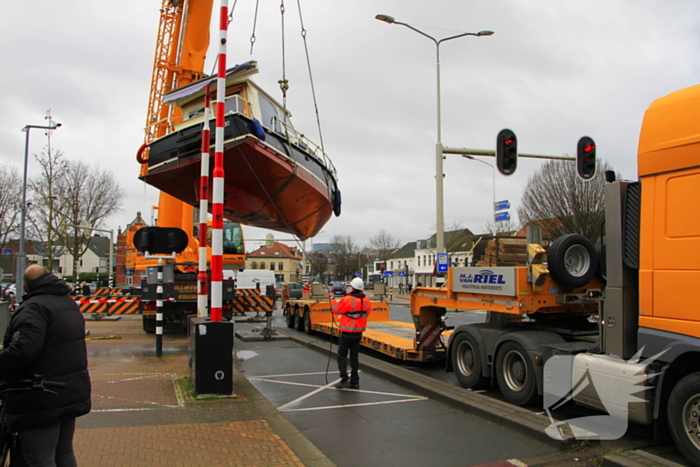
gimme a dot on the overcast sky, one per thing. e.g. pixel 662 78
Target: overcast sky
pixel 553 71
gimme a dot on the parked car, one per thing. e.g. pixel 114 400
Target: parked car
pixel 369 285
pixel 295 289
pixel 338 288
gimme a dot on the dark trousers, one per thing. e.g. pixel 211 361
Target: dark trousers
pixel 349 341
pixel 50 446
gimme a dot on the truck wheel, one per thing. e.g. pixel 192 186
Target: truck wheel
pixel 289 317
pixel 466 359
pixel 149 324
pixel 516 374
pixel 572 261
pixel 684 417
pixel 307 322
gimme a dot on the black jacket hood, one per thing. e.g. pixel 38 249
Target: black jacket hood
pixel 46 284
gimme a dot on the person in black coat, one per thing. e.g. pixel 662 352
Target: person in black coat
pixel 46 337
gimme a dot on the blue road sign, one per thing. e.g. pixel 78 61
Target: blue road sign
pixel 501 205
pixel 358 273
pixel 388 274
pixel 501 216
pixel 442 263
pixel 402 273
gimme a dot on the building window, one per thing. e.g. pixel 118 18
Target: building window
pixel 272 265
pixel 254 265
pixel 262 264
pixel 419 261
pixel 280 266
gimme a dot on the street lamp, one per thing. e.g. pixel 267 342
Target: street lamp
pixel 440 235
pixel 21 256
pixel 493 200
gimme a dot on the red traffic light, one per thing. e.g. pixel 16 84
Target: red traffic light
pixel 586 158
pixel 506 151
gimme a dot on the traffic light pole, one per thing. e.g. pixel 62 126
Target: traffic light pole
pixel 492 153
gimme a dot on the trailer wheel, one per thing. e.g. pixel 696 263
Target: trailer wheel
pixel 516 374
pixel 299 320
pixel 572 260
pixel 289 316
pixel 684 417
pixel 307 321
pixel 466 359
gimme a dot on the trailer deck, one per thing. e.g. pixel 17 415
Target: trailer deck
pixel 397 339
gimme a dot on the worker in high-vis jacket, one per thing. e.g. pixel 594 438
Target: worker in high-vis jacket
pixel 353 308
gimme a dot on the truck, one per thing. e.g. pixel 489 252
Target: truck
pixel 623 314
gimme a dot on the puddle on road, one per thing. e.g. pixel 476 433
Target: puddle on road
pixel 245 354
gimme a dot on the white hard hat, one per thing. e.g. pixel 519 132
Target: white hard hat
pixel 357 284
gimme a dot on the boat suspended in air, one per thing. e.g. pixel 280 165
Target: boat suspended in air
pixel 274 177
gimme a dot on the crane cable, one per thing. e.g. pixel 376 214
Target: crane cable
pixel 311 77
pixel 331 192
pixel 255 23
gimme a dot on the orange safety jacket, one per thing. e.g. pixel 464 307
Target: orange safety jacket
pixel 353 309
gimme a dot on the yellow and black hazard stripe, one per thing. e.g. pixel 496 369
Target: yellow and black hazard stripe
pixel 250 300
pixel 106 291
pixel 112 307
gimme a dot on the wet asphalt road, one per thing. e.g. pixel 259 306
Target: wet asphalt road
pixel 386 424
pixel 382 424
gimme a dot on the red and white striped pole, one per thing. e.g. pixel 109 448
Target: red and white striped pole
pixel 217 267
pixel 202 286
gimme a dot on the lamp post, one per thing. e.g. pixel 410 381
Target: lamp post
pixel 493 199
pixel 440 234
pixel 21 256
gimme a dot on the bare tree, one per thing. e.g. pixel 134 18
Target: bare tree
pixel 343 249
pixel 44 214
pixel 561 202
pixel 501 227
pixel 89 196
pixel 384 244
pixel 10 202
pixel 319 263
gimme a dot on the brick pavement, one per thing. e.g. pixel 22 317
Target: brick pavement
pixel 143 414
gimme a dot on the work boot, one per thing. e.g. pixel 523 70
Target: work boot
pixel 342 384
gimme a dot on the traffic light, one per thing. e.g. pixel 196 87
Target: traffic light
pixel 97 269
pixel 585 158
pixel 60 270
pixel 382 266
pixel 506 151
pixel 160 240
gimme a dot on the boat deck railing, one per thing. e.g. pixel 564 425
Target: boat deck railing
pixel 302 142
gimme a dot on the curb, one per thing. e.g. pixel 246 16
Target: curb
pixel 307 452
pixel 638 458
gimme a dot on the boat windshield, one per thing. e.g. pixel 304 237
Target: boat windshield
pixel 272 114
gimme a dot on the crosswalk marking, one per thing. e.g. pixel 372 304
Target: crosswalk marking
pixel 400 398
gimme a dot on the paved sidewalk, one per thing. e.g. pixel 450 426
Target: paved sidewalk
pixel 144 415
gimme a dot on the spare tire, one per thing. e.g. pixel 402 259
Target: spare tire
pixel 572 261
pixel 601 272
